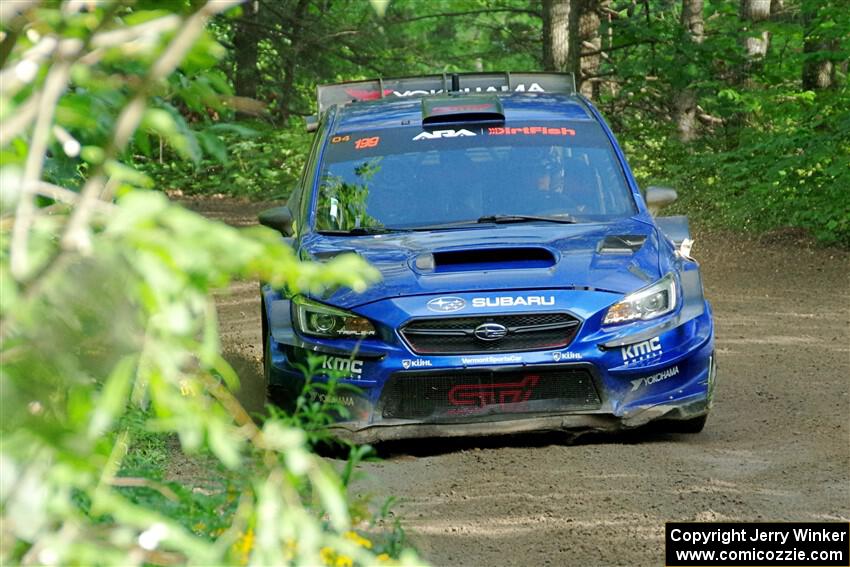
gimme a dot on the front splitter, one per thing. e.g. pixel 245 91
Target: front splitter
pixel 393 430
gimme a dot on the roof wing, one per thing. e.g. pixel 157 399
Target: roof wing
pixel 417 87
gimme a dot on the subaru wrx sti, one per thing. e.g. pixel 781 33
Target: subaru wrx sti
pixel 527 283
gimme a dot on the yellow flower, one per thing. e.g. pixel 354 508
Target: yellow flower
pixel 327 554
pixel 358 539
pixel 383 558
pixel 343 561
pixel 187 388
pixel 244 545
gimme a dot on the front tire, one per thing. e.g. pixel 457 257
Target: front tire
pixel 272 394
pixel 688 426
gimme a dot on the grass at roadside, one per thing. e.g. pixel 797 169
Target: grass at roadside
pixel 202 495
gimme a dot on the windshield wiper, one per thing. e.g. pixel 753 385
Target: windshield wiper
pixel 498 219
pixel 364 230
pixel 505 219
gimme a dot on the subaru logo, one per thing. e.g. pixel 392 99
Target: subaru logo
pixel 446 304
pixel 490 332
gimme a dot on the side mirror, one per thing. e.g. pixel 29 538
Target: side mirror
pixel 659 197
pixel 278 218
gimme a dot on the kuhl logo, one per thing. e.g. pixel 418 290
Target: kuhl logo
pixel 558 356
pixel 446 304
pixel 415 363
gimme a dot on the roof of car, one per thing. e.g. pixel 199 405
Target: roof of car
pixel 518 107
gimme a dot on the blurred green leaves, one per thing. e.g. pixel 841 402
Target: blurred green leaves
pixel 109 332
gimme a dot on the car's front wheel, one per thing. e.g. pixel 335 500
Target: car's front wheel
pixel 693 425
pixel 272 395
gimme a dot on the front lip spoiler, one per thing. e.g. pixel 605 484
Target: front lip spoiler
pixel 402 429
pixel 392 430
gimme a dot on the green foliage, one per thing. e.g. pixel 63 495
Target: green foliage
pixel 769 156
pixel 110 350
pixel 253 160
pixel 792 173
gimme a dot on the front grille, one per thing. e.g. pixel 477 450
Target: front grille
pixel 456 335
pixel 463 394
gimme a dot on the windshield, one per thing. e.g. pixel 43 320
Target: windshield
pixel 410 178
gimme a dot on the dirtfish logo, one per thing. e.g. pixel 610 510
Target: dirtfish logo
pixel 650 380
pixel 640 352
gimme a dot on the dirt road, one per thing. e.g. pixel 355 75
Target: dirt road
pixel 776 447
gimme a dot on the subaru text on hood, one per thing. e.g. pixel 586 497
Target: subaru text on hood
pixel 526 283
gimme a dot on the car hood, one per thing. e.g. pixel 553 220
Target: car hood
pixel 617 257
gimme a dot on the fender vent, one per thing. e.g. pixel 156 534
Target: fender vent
pixel 492 259
pixel 626 244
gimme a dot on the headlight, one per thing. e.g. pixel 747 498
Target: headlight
pixel 320 320
pixel 648 303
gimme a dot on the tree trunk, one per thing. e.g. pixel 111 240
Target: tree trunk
pixel 684 97
pixel 245 50
pixel 692 20
pixel 755 45
pixel 818 66
pixel 818 73
pixel 589 39
pixel 291 61
pixel 560 36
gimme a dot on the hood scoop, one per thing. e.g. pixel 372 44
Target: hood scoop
pixel 621 244
pixel 485 259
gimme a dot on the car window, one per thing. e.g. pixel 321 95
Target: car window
pixel 409 177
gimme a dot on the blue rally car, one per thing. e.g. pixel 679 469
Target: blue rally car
pixel 526 283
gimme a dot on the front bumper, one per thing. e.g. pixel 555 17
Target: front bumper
pixel 667 376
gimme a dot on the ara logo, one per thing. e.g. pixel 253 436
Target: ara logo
pixel 513 301
pixel 443 134
pixel 559 356
pixel 415 363
pixel 642 351
pixel 652 379
pixel 339 364
pixel 446 304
